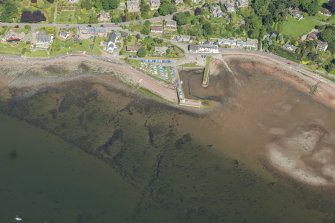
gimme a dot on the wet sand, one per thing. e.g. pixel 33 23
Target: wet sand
pixel 266 113
pixel 268 116
pixel 191 167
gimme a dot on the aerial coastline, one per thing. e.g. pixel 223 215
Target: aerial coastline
pixel 82 67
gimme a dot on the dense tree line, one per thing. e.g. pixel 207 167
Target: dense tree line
pixel 273 11
pixel 331 6
pixel 32 17
pixel 327 34
pixel 100 4
pixel 8 10
pixel 166 8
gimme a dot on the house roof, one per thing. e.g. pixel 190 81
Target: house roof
pixel 156 28
pixel 132 48
pixel 112 37
pixel 42 36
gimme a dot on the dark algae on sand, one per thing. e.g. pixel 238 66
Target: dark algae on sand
pixel 86 152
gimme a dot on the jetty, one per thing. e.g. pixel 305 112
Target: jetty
pixel 205 79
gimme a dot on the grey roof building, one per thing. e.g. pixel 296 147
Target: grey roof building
pixel 154 4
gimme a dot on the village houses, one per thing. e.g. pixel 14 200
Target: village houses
pixel 160 50
pixel 322 46
pixel 297 14
pixel 230 6
pixel 12 36
pixel 154 4
pixel 216 11
pixel 133 5
pixel 132 49
pixel 86 32
pixel 289 47
pixel 204 48
pixel 42 40
pixel 242 3
pixel 104 16
pixel 234 43
pixel 156 29
pixel 64 35
pixel 170 25
pixel 183 38
pixel 111 43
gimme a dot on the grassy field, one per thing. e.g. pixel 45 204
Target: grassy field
pixel 294 28
pixel 15 48
pixel 66 17
pixel 288 55
pixel 71 46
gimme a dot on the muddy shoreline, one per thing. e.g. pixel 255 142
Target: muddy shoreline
pixel 228 87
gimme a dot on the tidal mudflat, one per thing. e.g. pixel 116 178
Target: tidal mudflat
pixel 169 164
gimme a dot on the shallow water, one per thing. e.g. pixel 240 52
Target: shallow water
pixel 129 159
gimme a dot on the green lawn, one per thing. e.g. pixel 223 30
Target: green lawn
pixel 294 28
pixel 70 46
pixel 331 20
pixel 15 48
pixel 66 17
pixel 37 53
pixel 288 55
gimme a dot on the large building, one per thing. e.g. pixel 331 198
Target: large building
pixel 204 48
pixel 133 5
pixel 111 43
pixel 43 40
pixel 86 32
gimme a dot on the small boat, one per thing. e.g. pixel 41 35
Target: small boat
pixel 17 218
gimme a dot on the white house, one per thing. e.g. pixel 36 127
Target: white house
pixel 111 43
pixel 322 46
pixel 226 42
pixel 43 40
pixel 204 48
pixel 290 47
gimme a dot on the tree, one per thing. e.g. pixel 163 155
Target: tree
pixel 145 10
pixel 86 4
pixel 327 33
pixel 310 6
pixel 9 11
pixel 197 11
pixel 166 8
pixel 142 52
pixel 261 7
pixel 114 4
pixel 181 18
pixel 208 30
pixel 331 6
pixel 146 28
